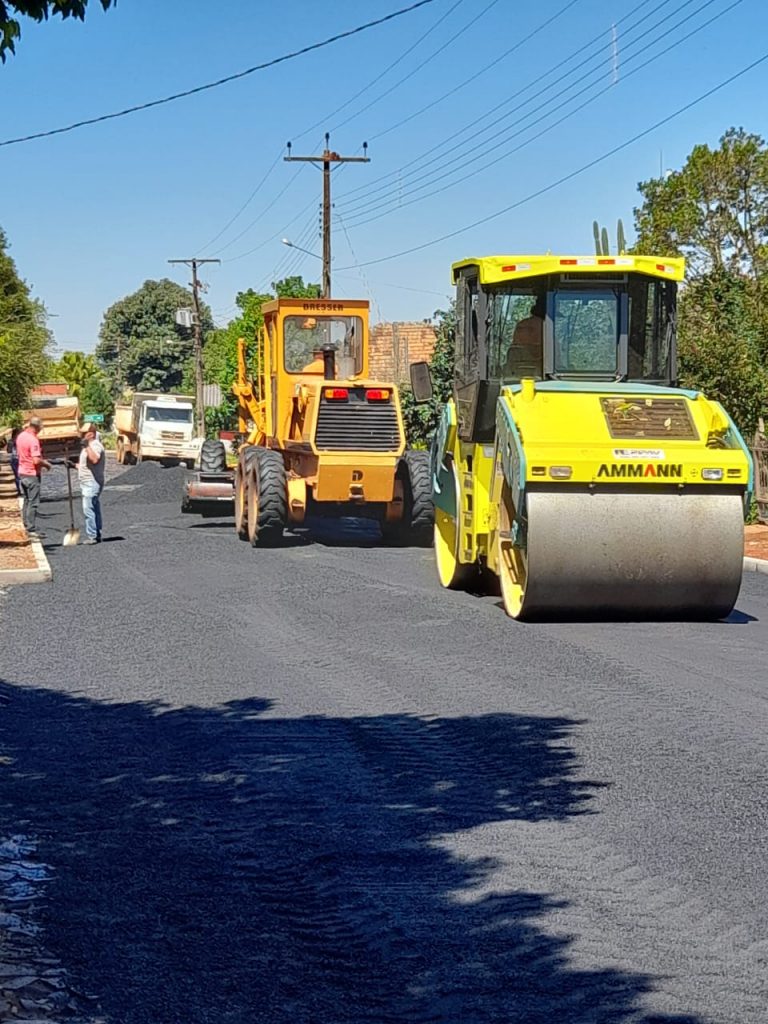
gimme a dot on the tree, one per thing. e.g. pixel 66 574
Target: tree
pixel 24 337
pixel 10 29
pixel 140 344
pixel 421 420
pixel 714 211
pixel 75 369
pixel 719 346
pixel 95 397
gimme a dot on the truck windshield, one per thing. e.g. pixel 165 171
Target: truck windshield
pixel 167 414
pixel 305 337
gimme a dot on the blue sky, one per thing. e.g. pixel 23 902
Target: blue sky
pixel 93 213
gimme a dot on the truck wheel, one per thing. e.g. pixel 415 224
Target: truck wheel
pixel 244 463
pixel 213 457
pixel 267 498
pixel 415 478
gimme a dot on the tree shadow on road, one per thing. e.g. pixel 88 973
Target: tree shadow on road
pixel 226 865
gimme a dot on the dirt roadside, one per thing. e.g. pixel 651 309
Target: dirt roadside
pixel 15 546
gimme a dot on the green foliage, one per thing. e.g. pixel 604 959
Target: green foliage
pixel 10 29
pixel 140 344
pixel 220 350
pixel 24 337
pixel 714 211
pixel 96 397
pixel 719 346
pixel 421 420
pixel 75 369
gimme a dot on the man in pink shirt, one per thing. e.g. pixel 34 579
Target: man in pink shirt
pixel 31 465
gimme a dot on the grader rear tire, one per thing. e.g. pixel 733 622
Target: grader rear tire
pixel 414 478
pixel 267 499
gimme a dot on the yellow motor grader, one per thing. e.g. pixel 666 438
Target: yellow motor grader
pixel 319 435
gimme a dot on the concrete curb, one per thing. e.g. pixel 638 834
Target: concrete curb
pixel 755 564
pixel 42 574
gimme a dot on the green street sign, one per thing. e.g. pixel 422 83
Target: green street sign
pixel 94 417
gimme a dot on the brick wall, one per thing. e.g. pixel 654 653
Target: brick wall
pixel 394 346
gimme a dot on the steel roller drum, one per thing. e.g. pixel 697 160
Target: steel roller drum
pixel 633 554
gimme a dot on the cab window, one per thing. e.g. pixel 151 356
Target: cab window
pixel 306 336
pixel 586 331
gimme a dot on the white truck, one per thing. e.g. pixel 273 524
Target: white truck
pixel 157 426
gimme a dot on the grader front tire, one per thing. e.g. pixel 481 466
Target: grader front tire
pixel 244 464
pixel 267 500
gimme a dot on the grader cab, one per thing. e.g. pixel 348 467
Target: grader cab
pixel 320 436
pixel 568 463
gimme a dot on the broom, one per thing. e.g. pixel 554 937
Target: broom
pixel 72 536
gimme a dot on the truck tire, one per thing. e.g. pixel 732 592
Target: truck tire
pixel 213 457
pixel 415 528
pixel 244 463
pixel 267 498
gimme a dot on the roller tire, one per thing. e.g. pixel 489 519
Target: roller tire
pixel 415 528
pixel 213 457
pixel 267 498
pixel 451 571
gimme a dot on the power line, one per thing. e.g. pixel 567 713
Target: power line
pixel 370 84
pixel 450 141
pixel 386 205
pixel 221 81
pixel 247 202
pixel 333 113
pixel 381 74
pixel 469 145
pixel 266 209
pixel 422 64
pixel 572 174
pixel 477 74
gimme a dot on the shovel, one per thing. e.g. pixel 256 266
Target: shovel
pixel 72 536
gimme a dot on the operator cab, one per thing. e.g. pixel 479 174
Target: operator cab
pixel 559 318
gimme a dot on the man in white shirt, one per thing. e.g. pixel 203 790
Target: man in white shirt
pixel 90 472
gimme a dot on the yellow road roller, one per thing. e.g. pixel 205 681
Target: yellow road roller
pixel 568 463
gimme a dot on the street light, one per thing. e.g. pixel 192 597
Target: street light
pixel 292 245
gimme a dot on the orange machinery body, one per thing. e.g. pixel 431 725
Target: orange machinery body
pixel 340 433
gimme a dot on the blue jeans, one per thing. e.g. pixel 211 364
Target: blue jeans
pixel 92 511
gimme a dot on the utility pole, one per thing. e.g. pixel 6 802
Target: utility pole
pixel 194 263
pixel 327 159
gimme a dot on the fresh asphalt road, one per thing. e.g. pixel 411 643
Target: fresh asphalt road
pixel 306 785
